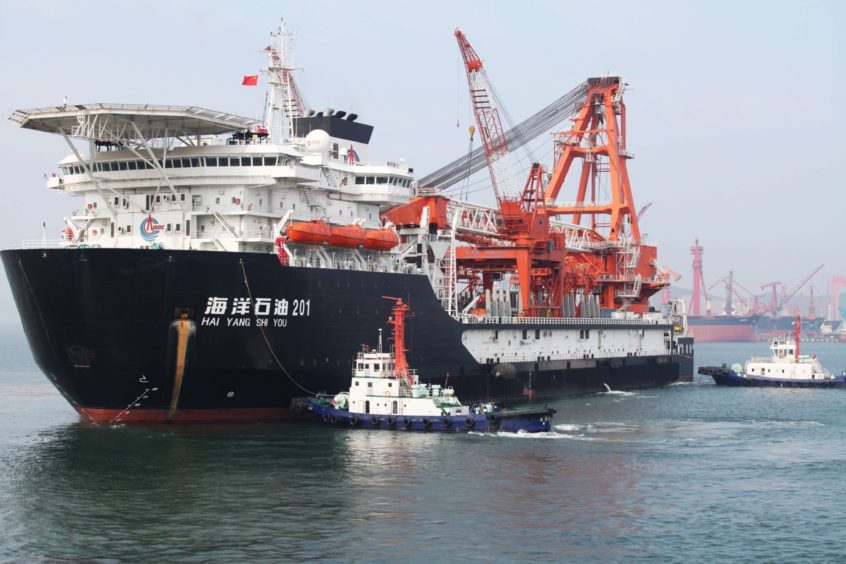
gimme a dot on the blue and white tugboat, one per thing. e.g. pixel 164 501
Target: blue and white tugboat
pixel 386 394
pixel 786 369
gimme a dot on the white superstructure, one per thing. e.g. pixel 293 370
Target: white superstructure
pixel 377 389
pixel 189 178
pixel 787 363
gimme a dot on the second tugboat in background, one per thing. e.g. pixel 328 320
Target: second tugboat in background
pixel 386 394
pixel 786 369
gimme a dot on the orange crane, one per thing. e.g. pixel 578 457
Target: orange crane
pixel 487 113
pixel 605 264
pixel 598 137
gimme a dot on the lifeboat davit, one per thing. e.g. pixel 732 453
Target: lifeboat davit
pixel 348 236
pixel 308 232
pixel 383 239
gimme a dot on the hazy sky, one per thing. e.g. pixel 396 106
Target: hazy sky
pixel 735 109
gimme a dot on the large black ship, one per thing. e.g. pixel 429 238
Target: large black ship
pixel 219 266
pixel 128 334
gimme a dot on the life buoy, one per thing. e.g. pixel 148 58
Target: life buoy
pixel 375 420
pixel 354 421
pixel 427 423
pixel 406 423
pixel 469 422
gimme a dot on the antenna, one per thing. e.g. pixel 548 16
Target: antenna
pixel 284 103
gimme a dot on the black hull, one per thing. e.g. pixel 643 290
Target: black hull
pixel 125 334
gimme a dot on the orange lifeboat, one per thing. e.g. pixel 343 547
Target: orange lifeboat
pixel 383 239
pixel 308 232
pixel 348 236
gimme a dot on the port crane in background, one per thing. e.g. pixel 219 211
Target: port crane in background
pixel 837 283
pixel 750 303
pixel 699 288
pixel 778 303
pixel 812 308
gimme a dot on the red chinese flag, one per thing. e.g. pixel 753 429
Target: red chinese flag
pixel 251 80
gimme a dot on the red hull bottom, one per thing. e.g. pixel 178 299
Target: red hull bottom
pixel 724 333
pixel 113 416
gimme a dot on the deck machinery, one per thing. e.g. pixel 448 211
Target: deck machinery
pixel 561 259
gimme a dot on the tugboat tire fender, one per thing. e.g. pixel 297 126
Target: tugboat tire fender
pixel 375 421
pixel 333 418
pixel 406 423
pixel 447 422
pixel 469 422
pixel 354 420
pixel 427 423
pixel 392 421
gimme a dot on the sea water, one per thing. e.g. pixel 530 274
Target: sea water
pixel 690 472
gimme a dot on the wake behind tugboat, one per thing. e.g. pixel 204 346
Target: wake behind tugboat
pixel 386 394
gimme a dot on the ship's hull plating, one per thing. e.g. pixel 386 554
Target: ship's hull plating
pixel 723 329
pixel 161 335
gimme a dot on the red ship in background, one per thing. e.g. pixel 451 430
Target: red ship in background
pixel 725 328
pixel 751 320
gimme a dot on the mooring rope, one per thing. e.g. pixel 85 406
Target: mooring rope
pixel 267 341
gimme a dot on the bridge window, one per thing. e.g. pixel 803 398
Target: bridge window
pixel 235 161
pixel 195 162
pixel 382 180
pixel 269 161
pixel 211 161
pixel 359 180
pixel 223 161
pixel 246 161
pixel 370 180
